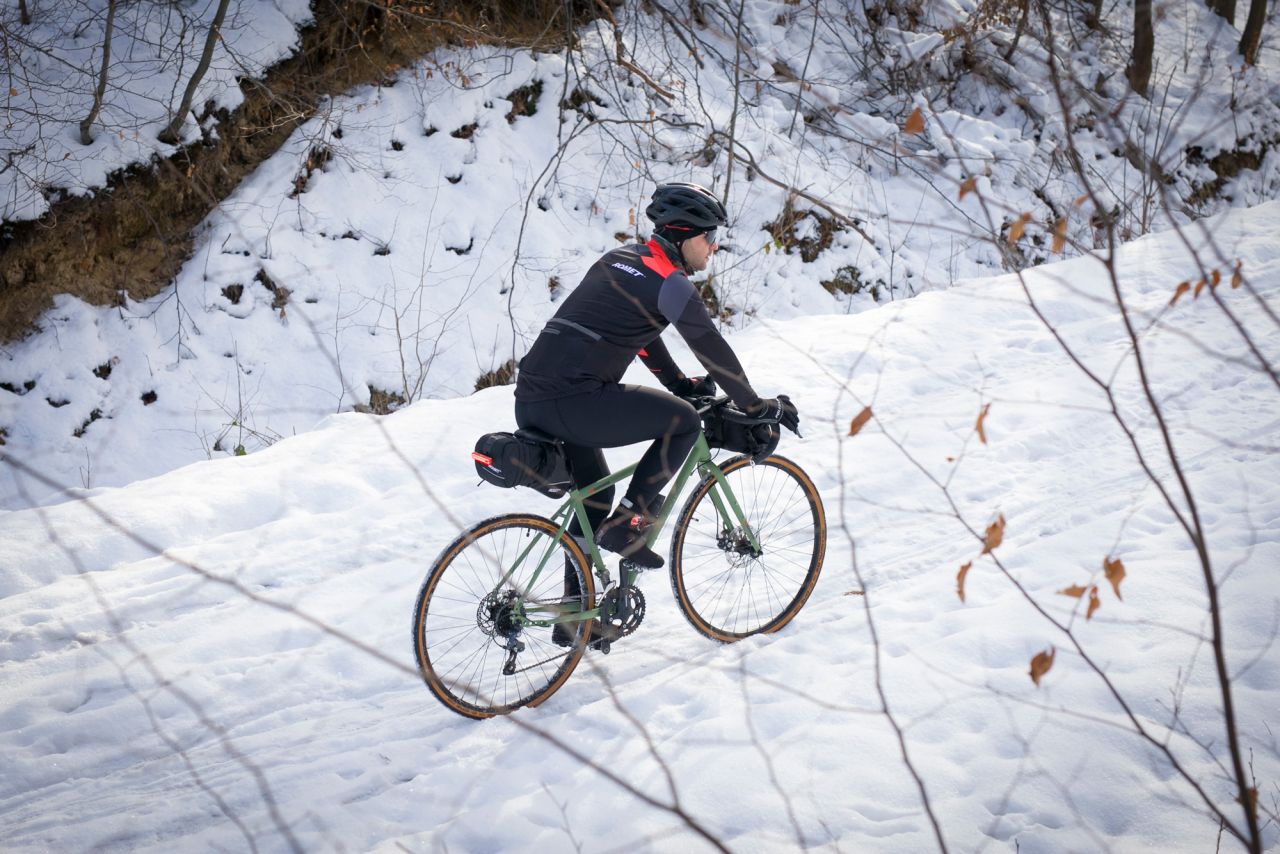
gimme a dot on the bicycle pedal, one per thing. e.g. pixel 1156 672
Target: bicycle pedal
pixel 603 646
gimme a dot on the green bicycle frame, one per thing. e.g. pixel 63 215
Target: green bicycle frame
pixel 722 497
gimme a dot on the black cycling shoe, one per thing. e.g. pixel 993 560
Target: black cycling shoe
pixel 624 533
pixel 562 635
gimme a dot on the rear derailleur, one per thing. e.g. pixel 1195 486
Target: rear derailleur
pixel 497 617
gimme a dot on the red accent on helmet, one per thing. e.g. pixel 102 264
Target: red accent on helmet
pixel 481 458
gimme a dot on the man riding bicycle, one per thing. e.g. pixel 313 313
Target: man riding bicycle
pixel 569 383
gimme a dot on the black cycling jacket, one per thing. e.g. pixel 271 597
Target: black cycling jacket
pixel 618 312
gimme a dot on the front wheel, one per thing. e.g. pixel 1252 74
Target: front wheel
pixel 726 587
pixel 483 625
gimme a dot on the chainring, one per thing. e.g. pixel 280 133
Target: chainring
pixel 621 611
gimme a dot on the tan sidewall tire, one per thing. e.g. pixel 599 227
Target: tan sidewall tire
pixel 438 569
pixel 811 579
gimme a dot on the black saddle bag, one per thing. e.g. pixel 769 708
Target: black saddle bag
pixel 509 460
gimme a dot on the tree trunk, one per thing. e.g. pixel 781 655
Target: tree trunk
pixel 1144 39
pixel 171 134
pixel 85 136
pixel 1025 5
pixel 1252 36
pixel 24 13
pixel 1225 8
pixel 1093 15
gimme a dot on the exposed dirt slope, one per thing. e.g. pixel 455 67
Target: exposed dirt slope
pixel 134 236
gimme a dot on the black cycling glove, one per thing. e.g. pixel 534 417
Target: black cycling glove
pixel 693 387
pixel 781 410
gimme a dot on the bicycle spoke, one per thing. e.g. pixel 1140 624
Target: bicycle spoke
pixel 475 647
pixel 724 585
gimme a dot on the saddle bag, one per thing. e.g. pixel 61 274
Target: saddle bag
pixel 509 459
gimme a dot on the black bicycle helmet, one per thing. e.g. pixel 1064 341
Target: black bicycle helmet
pixel 687 204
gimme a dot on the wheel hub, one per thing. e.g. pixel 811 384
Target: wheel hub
pixel 497 615
pixel 734 541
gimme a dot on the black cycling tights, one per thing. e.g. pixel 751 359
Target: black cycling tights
pixel 614 416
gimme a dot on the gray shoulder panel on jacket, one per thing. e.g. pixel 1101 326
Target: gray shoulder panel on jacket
pixel 674 295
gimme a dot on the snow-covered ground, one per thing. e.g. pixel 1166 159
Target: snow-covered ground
pixel 415 236
pixel 53 65
pixel 161 693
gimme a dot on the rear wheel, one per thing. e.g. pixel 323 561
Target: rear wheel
pixel 476 646
pixel 726 588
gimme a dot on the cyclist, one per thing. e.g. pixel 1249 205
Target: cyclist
pixel 569 385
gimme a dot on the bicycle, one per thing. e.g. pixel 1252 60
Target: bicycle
pixel 745 555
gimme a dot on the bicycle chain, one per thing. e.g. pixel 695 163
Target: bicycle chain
pixel 514 671
pixel 629 624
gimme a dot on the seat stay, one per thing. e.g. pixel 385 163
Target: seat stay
pixel 520 559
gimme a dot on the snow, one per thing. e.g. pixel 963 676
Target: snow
pixel 219 657
pixel 154 48
pixel 389 248
pixel 208 650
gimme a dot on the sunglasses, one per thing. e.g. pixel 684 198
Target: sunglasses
pixel 710 235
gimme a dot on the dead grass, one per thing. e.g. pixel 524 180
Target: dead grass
pixel 791 235
pixel 504 374
pixel 134 238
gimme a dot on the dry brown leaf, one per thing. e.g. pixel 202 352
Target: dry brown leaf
pixel 1235 277
pixel 1018 226
pixel 631 216
pixel 1214 278
pixel 1094 602
pixel 964 570
pixel 1060 235
pixel 1199 287
pixel 970 185
pixel 1115 574
pixel 982 434
pixel 1182 288
pixel 995 535
pixel 1080 201
pixel 860 420
pixel 915 122
pixel 1075 591
pixel 1040 664
pixel 13 93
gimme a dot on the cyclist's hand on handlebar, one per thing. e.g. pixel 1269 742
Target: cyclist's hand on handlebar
pixel 693 387
pixel 781 410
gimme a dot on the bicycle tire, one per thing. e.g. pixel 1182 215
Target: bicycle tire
pixel 462 618
pixel 727 594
